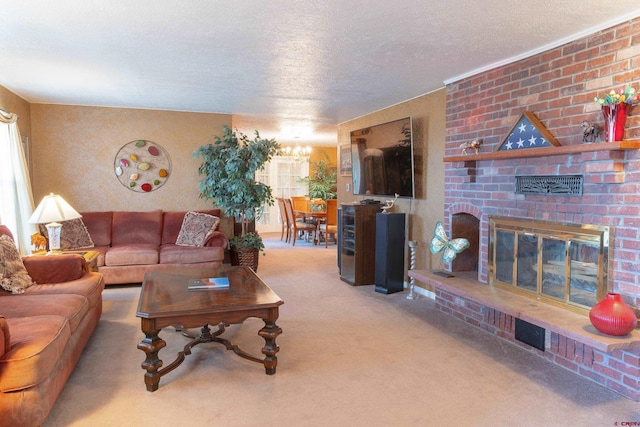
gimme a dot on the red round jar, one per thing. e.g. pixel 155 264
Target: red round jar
pixel 612 316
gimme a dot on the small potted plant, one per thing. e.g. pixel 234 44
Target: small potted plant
pixel 228 168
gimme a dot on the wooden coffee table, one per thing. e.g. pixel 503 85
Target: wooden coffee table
pixel 165 300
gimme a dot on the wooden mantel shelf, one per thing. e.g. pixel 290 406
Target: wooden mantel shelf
pixel 631 144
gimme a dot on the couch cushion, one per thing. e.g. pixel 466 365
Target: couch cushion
pixel 74 235
pixel 70 306
pixel 55 269
pixel 13 276
pixel 89 286
pixel 140 254
pixel 172 223
pixel 99 227
pixel 5 336
pixel 196 228
pixel 174 254
pixel 37 343
pixel 136 228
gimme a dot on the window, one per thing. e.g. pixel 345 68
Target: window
pixel 15 186
pixel 281 174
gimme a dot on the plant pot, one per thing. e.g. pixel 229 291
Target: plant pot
pixel 247 257
pixel 615 117
pixel 612 316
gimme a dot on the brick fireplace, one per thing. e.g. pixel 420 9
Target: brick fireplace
pixel 558 87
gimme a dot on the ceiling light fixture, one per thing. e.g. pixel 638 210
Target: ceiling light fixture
pixel 298 153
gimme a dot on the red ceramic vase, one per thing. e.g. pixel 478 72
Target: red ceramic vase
pixel 615 117
pixel 612 316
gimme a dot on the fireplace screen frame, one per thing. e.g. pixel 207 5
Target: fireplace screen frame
pixel 570 272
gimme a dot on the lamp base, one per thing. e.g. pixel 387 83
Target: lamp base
pixel 53 230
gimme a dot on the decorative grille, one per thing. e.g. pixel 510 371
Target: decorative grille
pixel 549 184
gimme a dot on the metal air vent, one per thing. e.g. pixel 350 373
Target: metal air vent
pixel 549 184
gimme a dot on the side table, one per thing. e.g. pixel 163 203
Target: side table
pixel 90 256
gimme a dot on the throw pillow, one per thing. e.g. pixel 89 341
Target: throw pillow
pixel 13 275
pixel 74 235
pixel 196 228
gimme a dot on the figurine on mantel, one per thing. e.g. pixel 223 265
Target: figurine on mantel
pixel 388 204
pixel 475 145
pixel 590 132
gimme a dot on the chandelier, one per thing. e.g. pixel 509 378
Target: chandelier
pixel 297 152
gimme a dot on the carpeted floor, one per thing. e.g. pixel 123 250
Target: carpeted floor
pixel 348 357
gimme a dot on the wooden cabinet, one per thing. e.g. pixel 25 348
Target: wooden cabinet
pixel 358 243
pixel 390 232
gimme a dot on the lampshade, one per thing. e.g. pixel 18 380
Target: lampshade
pixel 53 208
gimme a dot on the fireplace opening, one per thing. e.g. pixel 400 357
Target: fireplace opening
pixel 564 264
pixel 467 226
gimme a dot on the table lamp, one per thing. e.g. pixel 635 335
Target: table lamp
pixel 52 210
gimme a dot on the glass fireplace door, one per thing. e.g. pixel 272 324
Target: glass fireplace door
pixel 563 264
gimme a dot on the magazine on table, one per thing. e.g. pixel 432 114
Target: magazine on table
pixel 209 283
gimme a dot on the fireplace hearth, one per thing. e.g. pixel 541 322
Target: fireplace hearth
pixel 559 263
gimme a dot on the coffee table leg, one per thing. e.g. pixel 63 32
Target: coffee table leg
pixel 269 333
pixel 151 345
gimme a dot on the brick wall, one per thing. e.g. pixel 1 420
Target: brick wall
pixel 558 87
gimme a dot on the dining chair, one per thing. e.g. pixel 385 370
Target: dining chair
pixel 283 219
pixel 297 226
pixel 330 226
pixel 301 203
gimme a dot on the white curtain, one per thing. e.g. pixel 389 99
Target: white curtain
pixel 16 201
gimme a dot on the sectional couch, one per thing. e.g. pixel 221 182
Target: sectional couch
pixel 133 243
pixel 43 332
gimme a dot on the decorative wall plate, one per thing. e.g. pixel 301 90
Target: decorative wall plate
pixel 142 166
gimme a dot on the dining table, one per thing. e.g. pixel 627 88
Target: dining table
pixel 317 217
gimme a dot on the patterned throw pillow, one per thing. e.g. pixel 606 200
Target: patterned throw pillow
pixel 13 275
pixel 196 227
pixel 74 235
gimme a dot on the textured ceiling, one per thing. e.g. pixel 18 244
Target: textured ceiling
pixel 286 65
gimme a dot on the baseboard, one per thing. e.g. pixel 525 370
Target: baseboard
pixel 421 291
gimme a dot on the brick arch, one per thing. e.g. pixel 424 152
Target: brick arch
pixel 483 244
pixel 464 207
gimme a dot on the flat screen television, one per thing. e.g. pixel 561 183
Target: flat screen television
pixel 382 159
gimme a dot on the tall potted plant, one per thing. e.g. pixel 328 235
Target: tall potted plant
pixel 228 168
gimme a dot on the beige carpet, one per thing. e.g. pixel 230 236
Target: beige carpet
pixel 348 357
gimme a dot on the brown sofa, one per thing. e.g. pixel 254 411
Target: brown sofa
pixel 132 243
pixel 43 333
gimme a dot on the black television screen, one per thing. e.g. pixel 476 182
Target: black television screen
pixel 382 159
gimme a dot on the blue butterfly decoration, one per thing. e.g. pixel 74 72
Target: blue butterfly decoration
pixel 441 242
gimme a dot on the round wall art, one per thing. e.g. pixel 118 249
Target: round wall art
pixel 142 166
